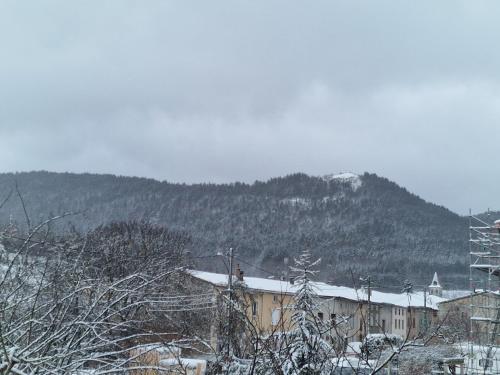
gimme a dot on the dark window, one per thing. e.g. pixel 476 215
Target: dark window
pixel 320 316
pixel 333 318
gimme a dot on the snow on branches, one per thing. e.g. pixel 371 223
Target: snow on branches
pixel 64 309
pixel 302 350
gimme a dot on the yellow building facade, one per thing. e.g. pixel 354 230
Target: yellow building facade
pixel 268 306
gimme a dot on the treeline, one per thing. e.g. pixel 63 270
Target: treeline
pixel 374 227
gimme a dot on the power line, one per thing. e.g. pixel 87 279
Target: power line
pixel 205 256
pixel 255 267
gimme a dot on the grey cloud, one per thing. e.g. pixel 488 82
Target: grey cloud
pixel 237 90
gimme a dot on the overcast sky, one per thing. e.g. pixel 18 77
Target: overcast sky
pixel 243 90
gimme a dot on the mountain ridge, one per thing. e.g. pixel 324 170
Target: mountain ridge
pixel 375 227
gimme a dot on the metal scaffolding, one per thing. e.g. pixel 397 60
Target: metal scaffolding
pixel 484 335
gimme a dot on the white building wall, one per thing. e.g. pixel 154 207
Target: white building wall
pixel 399 321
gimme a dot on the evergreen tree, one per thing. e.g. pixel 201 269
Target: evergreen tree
pixel 302 351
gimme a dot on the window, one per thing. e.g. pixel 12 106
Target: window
pixel 320 316
pixel 254 308
pixel 383 325
pixel 333 319
pixel 275 317
pixel 276 299
pixel 484 361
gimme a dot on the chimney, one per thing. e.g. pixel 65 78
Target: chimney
pixel 239 273
pixel 292 279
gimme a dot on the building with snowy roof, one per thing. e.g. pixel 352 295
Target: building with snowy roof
pixel 457 312
pixel 269 304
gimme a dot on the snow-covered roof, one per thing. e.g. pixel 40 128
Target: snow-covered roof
pixel 456 293
pixel 324 290
pixel 353 348
pixel 494 293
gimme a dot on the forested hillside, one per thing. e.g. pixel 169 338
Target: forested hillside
pixel 358 225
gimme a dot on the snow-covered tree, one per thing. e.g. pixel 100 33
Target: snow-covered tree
pixel 59 315
pixel 303 350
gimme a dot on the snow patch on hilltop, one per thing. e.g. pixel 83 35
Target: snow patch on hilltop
pixel 353 178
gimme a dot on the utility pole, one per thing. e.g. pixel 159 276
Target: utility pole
pixel 369 304
pixel 425 309
pixel 230 272
pixel 230 306
pixel 368 286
